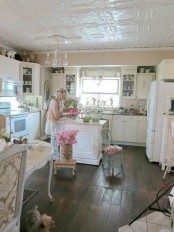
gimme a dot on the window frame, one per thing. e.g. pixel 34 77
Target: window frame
pixel 98 79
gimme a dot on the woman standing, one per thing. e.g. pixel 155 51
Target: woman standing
pixel 55 112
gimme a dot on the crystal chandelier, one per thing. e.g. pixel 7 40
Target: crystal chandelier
pixel 59 60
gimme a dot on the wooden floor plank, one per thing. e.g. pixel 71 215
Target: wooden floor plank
pixel 93 200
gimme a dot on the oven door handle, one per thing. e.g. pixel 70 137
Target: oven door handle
pixel 19 116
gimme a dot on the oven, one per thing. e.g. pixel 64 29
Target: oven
pixel 19 125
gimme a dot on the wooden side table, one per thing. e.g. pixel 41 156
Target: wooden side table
pixel 65 164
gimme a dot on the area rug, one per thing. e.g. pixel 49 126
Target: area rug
pixel 28 194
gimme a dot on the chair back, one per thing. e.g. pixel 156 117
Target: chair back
pixel 12 176
pixel 106 137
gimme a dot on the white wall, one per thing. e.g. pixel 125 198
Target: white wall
pixel 114 58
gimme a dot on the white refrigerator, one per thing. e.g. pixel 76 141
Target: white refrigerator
pixel 158 104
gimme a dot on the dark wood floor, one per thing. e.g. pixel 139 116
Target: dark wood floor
pixel 93 201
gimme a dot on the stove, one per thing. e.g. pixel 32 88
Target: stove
pixel 5 109
pixel 13 120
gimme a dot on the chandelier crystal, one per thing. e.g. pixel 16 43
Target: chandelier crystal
pixel 59 60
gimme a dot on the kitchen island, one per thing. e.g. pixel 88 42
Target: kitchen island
pixel 88 149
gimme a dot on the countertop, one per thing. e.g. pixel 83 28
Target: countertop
pixel 80 121
pixel 122 114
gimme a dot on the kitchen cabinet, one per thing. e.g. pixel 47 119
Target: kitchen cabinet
pixel 34 125
pixel 128 82
pixel 165 70
pixel 141 129
pixel 118 128
pixel 129 129
pixel 71 79
pixel 124 128
pixel 88 149
pixel 57 82
pixel 9 68
pixel 30 76
pixel 143 83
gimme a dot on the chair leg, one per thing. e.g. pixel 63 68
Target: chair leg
pixel 169 165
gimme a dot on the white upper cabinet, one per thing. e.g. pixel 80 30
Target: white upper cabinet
pixel 165 70
pixel 145 76
pixel 129 82
pixel 57 82
pixel 71 81
pixel 144 81
pixel 9 68
pixel 30 76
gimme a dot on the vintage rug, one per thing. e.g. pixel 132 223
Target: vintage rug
pixel 28 194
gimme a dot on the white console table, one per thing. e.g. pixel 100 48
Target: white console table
pixel 88 149
pixel 38 155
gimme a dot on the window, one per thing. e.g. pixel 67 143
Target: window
pixel 101 91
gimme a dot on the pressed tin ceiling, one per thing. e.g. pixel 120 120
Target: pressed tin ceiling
pixel 31 25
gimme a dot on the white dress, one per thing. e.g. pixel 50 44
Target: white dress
pixel 53 127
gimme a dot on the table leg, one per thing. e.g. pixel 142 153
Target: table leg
pixel 50 163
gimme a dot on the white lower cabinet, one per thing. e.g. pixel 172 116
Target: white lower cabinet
pixel 142 129
pixel 88 149
pixel 118 128
pixel 34 125
pixel 129 129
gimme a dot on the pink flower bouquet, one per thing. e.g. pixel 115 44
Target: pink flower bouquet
pixel 73 112
pixel 67 137
pixel 112 150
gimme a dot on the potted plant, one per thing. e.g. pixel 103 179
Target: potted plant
pixel 66 138
pixel 6 135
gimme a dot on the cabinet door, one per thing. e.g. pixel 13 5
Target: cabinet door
pixel 165 70
pixel 30 76
pixel 71 80
pixel 9 68
pixel 141 129
pixel 143 85
pixel 128 86
pixel 129 82
pixel 118 128
pixel 57 82
pixel 71 85
pixel 130 129
pixel 34 125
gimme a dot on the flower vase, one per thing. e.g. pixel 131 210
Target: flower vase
pixel 65 151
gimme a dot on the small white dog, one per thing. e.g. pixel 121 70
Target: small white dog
pixel 35 222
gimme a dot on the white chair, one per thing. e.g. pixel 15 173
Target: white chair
pixel 110 162
pixel 12 175
pixel 171 159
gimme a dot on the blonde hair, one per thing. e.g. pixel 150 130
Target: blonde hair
pixel 59 94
